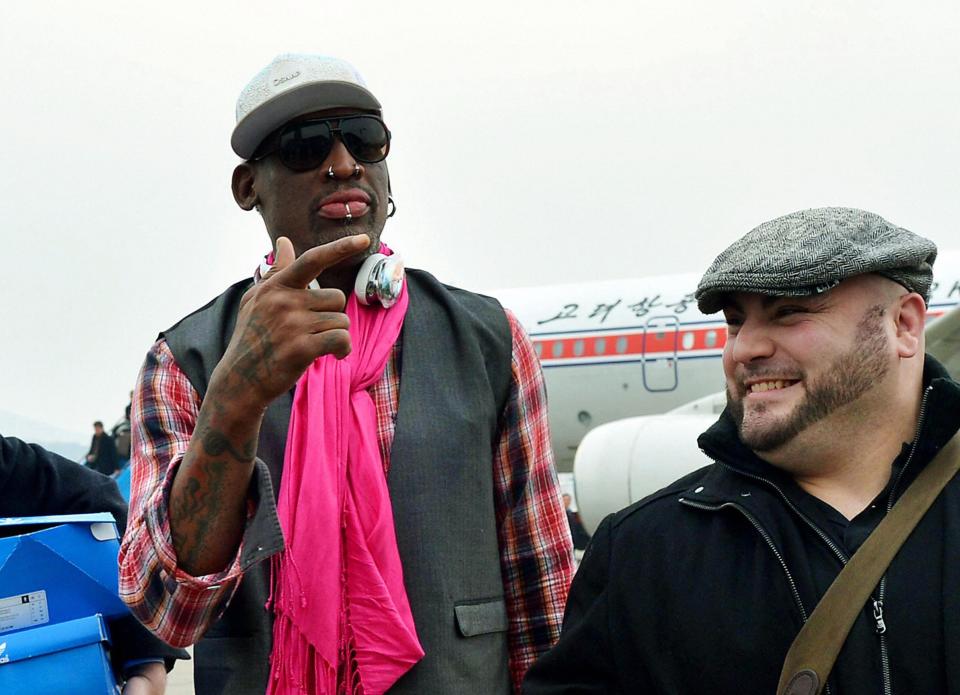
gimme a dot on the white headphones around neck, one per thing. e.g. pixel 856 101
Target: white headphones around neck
pixel 379 280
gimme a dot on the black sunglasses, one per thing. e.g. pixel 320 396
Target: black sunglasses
pixel 305 145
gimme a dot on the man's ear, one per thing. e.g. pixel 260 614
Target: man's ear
pixel 242 185
pixel 910 314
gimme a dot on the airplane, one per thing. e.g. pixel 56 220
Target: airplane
pixel 635 364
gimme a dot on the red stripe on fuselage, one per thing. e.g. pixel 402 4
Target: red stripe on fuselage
pixel 620 345
pixel 665 343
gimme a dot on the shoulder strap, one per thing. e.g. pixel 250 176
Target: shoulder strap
pixel 814 651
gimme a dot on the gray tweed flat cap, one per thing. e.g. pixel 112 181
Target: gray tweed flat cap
pixel 812 251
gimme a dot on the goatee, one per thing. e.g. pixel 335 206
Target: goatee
pixel 851 375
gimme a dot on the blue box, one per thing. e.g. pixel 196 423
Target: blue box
pixel 66 658
pixel 54 569
pixel 58 582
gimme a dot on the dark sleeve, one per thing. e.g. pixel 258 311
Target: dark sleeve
pixel 37 482
pixel 582 661
pixel 132 641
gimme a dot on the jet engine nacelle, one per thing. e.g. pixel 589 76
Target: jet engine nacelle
pixel 623 461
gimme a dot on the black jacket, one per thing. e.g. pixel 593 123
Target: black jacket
pixel 36 482
pixel 577 531
pixel 701 587
pixel 104 451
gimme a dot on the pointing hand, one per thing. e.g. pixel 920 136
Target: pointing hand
pixel 282 326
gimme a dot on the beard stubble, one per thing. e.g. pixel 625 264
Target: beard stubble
pixel 850 376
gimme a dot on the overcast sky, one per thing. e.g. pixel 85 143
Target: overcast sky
pixel 534 142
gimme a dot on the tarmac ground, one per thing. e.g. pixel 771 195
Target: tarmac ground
pixel 180 680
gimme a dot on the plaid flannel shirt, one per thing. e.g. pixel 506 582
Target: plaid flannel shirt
pixel 535 549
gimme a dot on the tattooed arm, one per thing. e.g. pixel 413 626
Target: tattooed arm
pixel 281 328
pixel 175 605
pixel 208 501
pixel 193 462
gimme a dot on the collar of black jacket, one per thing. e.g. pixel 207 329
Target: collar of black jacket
pixel 940 421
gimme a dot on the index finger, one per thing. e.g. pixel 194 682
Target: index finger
pixel 314 261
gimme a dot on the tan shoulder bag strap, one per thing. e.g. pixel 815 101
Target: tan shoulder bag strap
pixel 815 649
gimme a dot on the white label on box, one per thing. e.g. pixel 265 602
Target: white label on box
pixel 25 610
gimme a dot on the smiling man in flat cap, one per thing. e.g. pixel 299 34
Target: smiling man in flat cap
pixel 832 411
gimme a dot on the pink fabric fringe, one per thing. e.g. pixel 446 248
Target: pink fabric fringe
pixel 343 623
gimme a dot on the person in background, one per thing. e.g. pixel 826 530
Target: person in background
pixel 121 437
pixel 37 482
pixel 577 531
pixel 102 456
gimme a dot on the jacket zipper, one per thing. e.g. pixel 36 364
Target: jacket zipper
pixel 877 603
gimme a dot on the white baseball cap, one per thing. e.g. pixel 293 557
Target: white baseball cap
pixel 294 84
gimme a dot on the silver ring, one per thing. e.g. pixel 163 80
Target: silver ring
pixel 330 173
pixel 356 170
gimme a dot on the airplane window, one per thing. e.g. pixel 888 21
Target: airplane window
pixel 687 340
pixel 538 348
pixel 558 348
pixel 578 348
pixel 621 346
pixel 600 346
pixel 711 339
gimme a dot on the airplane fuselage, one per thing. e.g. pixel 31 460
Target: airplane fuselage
pixel 622 348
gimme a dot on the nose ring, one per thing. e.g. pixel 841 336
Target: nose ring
pixel 330 173
pixel 356 170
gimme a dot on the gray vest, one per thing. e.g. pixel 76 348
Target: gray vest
pixel 455 380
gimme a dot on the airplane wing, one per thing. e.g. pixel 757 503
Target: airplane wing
pixel 943 340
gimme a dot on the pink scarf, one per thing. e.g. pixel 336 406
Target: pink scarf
pixel 342 620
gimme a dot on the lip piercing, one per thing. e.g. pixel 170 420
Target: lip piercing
pixel 330 173
pixel 349 214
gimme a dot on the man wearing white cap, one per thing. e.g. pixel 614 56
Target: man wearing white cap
pixel 342 479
